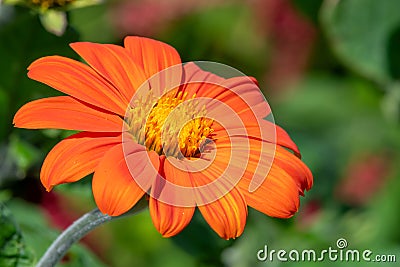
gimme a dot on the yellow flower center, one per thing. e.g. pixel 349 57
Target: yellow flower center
pixel 171 125
pixel 46 4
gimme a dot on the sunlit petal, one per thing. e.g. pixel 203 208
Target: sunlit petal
pixel 75 157
pixel 64 112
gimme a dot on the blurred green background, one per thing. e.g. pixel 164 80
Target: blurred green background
pixel 329 69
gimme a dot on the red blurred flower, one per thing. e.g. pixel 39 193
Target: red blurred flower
pixel 292 38
pixel 363 179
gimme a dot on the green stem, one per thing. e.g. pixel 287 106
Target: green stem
pixel 76 231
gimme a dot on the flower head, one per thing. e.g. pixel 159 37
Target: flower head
pixel 153 126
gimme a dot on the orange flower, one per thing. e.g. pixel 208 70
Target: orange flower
pixel 152 126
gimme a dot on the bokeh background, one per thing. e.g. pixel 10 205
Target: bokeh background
pixel 330 70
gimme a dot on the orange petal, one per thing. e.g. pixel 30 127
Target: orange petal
pixel 295 168
pixel 266 186
pixel 78 80
pixel 153 56
pixel 64 112
pixel 243 89
pixel 240 93
pixel 75 157
pixel 251 128
pixel 226 215
pixel 113 63
pixel 169 217
pixel 257 129
pixel 278 194
pixel 169 220
pixel 200 82
pixel 283 139
pixel 115 190
pixel 250 157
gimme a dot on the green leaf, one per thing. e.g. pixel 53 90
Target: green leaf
pixel 24 154
pixel 13 251
pixel 39 235
pixel 360 32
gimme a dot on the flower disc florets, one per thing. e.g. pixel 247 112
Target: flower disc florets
pixel 172 125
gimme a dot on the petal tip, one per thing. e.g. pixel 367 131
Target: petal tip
pixel 48 187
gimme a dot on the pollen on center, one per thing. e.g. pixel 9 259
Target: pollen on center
pixel 173 125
